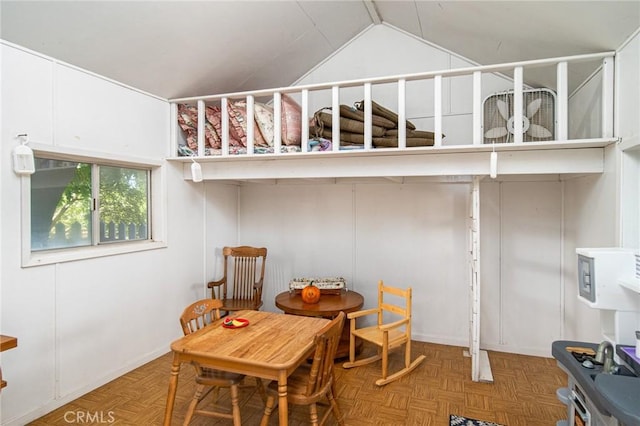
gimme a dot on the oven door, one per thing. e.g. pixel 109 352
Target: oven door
pixel 578 415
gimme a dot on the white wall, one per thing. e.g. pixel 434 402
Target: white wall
pixel 585 109
pixel 414 234
pixel 604 210
pixel 80 324
pixel 520 233
pixel 383 50
pixel 590 209
pixel 628 127
pixel 408 234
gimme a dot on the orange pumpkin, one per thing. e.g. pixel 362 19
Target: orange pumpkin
pixel 310 294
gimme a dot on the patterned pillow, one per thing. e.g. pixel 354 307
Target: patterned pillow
pixel 264 120
pixel 188 122
pixel 263 116
pixel 238 121
pixel 291 121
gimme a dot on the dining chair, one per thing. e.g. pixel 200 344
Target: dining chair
pixel 309 384
pixel 194 317
pixel 241 284
pixel 386 336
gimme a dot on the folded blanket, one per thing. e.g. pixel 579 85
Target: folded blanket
pixel 325 120
pixel 381 111
pixel 355 114
pixel 347 139
pixel 388 142
pixel 423 134
pixel 352 138
pixel 384 127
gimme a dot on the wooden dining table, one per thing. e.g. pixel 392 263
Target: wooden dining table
pixel 271 347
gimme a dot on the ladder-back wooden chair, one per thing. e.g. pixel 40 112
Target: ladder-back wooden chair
pixel 309 384
pixel 196 316
pixel 243 277
pixel 387 336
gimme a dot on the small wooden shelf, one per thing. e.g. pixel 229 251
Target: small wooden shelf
pixel 6 343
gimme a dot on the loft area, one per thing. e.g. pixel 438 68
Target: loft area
pixel 351 125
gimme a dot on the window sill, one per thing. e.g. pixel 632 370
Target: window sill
pixel 81 253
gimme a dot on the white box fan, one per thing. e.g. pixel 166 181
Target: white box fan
pixel 538 116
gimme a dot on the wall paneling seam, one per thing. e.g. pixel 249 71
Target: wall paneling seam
pixel 500 284
pixel 562 263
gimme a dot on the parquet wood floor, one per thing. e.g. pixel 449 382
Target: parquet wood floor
pixel 523 393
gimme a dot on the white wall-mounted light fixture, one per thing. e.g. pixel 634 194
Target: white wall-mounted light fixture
pixel 196 171
pixel 493 164
pixel 23 161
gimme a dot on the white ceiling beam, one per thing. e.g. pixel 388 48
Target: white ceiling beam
pixel 373 11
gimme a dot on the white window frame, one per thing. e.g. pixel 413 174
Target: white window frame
pixel 157 205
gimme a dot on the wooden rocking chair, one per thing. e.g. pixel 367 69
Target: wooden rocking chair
pixel 240 287
pixel 385 336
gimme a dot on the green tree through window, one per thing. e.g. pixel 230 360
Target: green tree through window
pixel 123 203
pixel 63 204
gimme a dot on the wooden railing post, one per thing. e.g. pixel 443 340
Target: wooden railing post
pixel 368 117
pixel 607 97
pixel 335 118
pixel 304 132
pixel 201 121
pixel 224 125
pixel 402 113
pixel 562 102
pixel 437 110
pixel 518 84
pixel 277 122
pixel 250 125
pixel 477 108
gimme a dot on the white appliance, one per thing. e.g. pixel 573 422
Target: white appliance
pixel 538 116
pixel 600 271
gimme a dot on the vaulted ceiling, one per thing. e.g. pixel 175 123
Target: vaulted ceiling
pixel 188 48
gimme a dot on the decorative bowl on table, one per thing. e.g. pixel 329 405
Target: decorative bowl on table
pixel 235 322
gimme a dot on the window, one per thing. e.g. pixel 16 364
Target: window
pixel 68 211
pixel 78 206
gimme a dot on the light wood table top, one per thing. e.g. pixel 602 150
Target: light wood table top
pixel 272 346
pixel 329 306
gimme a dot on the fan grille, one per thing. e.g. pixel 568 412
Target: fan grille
pixel 544 116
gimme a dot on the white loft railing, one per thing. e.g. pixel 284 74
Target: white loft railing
pixel 562 97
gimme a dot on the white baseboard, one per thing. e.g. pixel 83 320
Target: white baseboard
pixel 440 340
pixel 452 341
